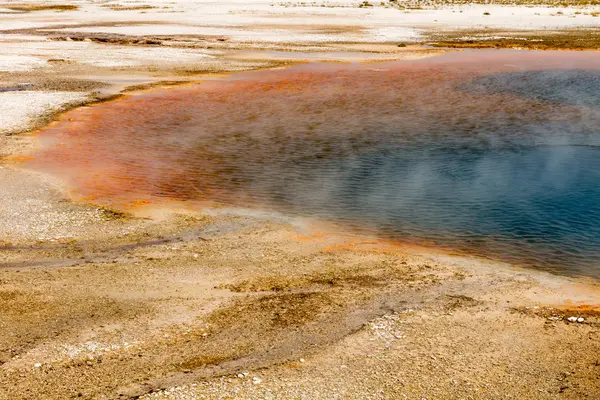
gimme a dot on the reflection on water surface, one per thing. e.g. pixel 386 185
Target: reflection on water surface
pixel 493 152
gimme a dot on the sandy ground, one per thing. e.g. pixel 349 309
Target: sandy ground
pixel 172 304
pixel 187 306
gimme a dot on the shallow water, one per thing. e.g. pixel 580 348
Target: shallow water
pixel 493 152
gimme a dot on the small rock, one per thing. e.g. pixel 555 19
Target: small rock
pixel 256 380
pixel 302 360
pixel 37 365
pixel 580 319
pixel 572 319
pixel 241 376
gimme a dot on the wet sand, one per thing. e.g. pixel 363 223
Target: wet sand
pixel 169 303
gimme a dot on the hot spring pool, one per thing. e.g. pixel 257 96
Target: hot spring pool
pixel 491 152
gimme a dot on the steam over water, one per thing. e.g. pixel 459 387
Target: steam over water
pixel 496 153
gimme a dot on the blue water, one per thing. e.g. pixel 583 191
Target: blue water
pixel 515 185
pixel 537 206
